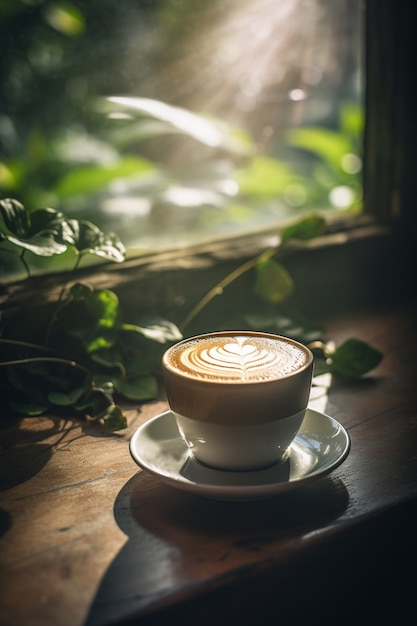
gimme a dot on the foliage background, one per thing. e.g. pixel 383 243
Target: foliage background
pixel 63 145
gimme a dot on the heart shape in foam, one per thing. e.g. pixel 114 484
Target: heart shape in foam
pixel 240 349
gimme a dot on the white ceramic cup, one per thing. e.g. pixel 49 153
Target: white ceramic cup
pixel 239 397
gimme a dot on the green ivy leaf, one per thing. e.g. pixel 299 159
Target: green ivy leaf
pixel 96 326
pixel 82 234
pixel 96 401
pixel 307 228
pixel 137 387
pixel 96 341
pixel 144 362
pixel 102 304
pixel 160 331
pixel 46 220
pixel 15 217
pixel 110 247
pixel 113 418
pixel 86 238
pixel 272 283
pixel 30 409
pixel 28 384
pixel 321 366
pixel 41 244
pixel 66 399
pixel 38 232
pixel 354 358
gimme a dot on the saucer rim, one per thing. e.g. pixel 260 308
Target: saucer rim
pixel 236 492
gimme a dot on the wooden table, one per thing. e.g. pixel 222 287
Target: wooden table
pixel 87 538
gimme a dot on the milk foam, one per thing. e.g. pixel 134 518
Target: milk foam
pixel 238 358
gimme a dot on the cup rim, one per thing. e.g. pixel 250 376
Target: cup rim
pixel 251 333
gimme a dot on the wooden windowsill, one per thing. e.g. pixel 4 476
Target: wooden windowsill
pixel 366 260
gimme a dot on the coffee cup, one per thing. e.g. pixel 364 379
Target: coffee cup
pixel 238 397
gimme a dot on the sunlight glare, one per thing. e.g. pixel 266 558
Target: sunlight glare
pixel 351 163
pixel 341 197
pixel 250 55
pixel 181 119
pixel 191 197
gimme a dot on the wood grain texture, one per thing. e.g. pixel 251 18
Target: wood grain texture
pixel 88 538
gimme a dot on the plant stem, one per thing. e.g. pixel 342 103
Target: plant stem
pixel 26 266
pixel 25 344
pixel 218 289
pixel 44 359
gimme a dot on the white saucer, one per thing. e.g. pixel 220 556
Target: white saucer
pixel 319 447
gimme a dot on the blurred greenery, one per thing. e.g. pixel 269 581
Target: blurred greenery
pixel 68 140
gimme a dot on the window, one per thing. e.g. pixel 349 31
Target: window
pixel 175 123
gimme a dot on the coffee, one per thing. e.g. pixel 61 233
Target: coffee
pixel 238 358
pixel 238 397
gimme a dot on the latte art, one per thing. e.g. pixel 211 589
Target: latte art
pixel 238 358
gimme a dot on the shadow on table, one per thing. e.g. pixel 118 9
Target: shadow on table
pixel 176 540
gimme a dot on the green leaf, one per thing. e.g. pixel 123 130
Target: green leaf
pixel 30 409
pixel 137 387
pixel 41 244
pixel 46 220
pixel 321 366
pixel 307 228
pixel 65 18
pixel 273 283
pixel 28 384
pixel 38 232
pixel 98 341
pixel 144 362
pixel 90 179
pixel 86 237
pixel 354 358
pixel 15 217
pixel 113 418
pixel 160 331
pixel 66 399
pixel 109 247
pixel 97 327
pixel 209 132
pixel 94 403
pixel 351 119
pixel 93 339
pixel 265 177
pixel 102 304
pixel 83 235
pixel 327 144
